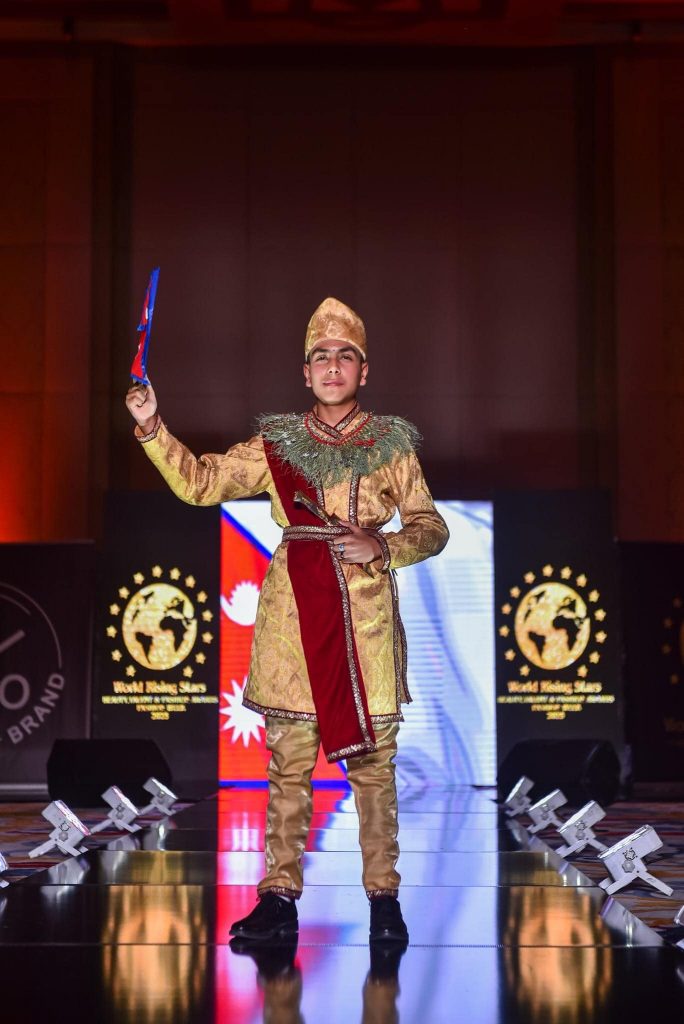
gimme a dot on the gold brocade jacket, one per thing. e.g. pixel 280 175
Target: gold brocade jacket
pixel 278 682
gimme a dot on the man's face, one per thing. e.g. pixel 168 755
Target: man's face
pixel 335 372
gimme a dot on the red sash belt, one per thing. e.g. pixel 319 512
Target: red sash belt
pixel 325 623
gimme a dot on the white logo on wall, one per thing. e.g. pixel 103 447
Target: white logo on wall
pixel 31 679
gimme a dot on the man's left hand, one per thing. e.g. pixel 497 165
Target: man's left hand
pixel 359 547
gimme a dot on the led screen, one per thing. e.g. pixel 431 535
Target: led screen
pixel 448 736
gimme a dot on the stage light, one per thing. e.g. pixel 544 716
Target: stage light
pixel 4 866
pixel 624 861
pixel 122 814
pixel 162 800
pixel 67 833
pixel 577 831
pixel 543 812
pixel 679 919
pixel 517 801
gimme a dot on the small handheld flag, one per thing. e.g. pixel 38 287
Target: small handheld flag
pixel 139 367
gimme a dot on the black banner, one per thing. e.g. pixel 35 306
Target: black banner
pixel 557 619
pixel 652 578
pixel 46 595
pixel 157 632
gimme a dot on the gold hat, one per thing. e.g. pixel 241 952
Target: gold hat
pixel 333 321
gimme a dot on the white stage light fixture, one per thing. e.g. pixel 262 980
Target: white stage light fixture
pixel 577 831
pixel 122 814
pixel 517 801
pixel 4 866
pixel 625 863
pixel 543 812
pixel 67 833
pixel 679 919
pixel 162 800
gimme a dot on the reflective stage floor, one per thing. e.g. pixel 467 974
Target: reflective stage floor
pixel 137 929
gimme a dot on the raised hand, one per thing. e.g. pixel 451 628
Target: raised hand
pixel 141 402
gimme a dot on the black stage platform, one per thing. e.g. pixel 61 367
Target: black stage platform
pixel 139 931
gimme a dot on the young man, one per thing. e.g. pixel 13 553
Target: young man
pixel 328 660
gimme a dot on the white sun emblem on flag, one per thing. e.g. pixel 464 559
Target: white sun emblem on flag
pixel 241 606
pixel 244 722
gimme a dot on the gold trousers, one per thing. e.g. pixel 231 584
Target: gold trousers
pixel 294 749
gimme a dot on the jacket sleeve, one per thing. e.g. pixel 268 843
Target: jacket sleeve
pixel 424 532
pixel 241 472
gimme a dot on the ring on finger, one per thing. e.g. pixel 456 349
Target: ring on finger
pixel 340 548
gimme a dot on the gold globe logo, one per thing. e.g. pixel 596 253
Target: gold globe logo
pixel 557 622
pixel 552 625
pixel 158 624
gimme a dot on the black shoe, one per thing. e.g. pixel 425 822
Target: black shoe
pixel 272 961
pixel 386 922
pixel 272 918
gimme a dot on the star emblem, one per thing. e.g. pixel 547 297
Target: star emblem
pixel 594 596
pixel 599 614
pixel 187 672
pixel 524 670
pixel 504 630
pixel 582 671
pixel 601 636
pixel 594 657
pixel 207 616
pixel 509 655
pixel 529 577
pixel 111 631
pixel 666 649
pixel 114 609
pixel 130 671
pixel 207 637
pixel 667 623
pixel 674 679
pixel 581 580
pixel 201 597
pixel 174 573
pixel 124 592
pixel 515 591
pixel 548 570
pixel 116 655
pixel 138 578
pixel 156 571
pixel 190 581
pixel 200 658
pixel 566 572
pixel 506 609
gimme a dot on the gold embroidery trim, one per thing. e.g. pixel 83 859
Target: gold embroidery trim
pixel 326 533
pixel 384 547
pixel 280 890
pixel 261 709
pixel 355 748
pixel 310 716
pixel 354 499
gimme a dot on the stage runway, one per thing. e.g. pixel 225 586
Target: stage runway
pixel 138 929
